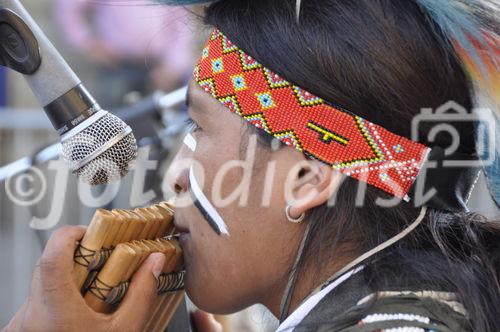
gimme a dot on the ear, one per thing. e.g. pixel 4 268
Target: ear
pixel 314 183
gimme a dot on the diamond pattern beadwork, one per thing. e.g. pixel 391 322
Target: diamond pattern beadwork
pixel 335 136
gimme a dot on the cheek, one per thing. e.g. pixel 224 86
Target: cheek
pixel 217 279
pixel 226 274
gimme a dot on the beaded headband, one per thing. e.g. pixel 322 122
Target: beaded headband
pixel 335 136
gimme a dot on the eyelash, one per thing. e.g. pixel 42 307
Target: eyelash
pixel 192 125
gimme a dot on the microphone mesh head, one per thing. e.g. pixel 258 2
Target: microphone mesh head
pixel 102 152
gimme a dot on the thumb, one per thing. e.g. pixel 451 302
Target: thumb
pixel 142 293
pixel 205 322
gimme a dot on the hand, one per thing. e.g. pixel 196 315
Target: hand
pixel 55 303
pixel 204 322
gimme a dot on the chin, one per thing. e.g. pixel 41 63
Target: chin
pixel 210 298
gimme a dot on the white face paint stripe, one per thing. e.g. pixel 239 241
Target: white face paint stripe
pixel 205 203
pixel 190 142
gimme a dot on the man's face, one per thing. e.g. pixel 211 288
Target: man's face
pixel 244 183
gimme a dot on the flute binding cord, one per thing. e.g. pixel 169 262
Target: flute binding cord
pixel 99 289
pixel 167 283
pixel 171 282
pixel 99 259
pixel 88 282
pixel 83 256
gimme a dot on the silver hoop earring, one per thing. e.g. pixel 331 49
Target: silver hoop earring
pixel 293 220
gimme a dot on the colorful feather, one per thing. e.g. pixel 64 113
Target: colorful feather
pixel 471 27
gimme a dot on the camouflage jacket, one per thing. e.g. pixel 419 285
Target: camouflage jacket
pixel 353 307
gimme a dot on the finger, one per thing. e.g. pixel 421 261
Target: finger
pixel 142 293
pixel 16 323
pixel 205 322
pixel 57 258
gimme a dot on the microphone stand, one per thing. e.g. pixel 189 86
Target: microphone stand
pixel 155 104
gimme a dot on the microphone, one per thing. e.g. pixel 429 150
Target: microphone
pixel 98 146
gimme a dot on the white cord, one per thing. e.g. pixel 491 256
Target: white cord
pixel 378 248
pixel 285 301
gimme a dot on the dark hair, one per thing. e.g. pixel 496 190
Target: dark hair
pixel 383 60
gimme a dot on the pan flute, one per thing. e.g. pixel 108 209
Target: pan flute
pixel 114 247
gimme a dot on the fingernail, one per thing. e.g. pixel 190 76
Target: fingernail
pixel 159 261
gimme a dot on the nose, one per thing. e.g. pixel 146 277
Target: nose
pixel 177 176
pixel 181 182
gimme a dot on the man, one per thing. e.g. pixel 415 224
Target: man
pixel 292 112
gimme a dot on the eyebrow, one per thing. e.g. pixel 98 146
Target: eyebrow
pixel 190 102
pixel 195 102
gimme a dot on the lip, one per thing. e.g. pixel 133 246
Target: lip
pixel 184 240
pixel 182 229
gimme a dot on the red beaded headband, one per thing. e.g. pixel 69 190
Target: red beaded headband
pixel 350 144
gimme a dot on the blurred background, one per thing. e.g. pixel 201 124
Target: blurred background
pixel 129 55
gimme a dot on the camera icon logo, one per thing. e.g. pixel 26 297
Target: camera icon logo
pixel 441 121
